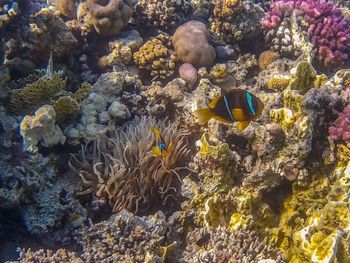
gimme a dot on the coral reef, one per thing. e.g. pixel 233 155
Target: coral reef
pixel 235 20
pixel 37 93
pixel 191 43
pixel 7 13
pixel 222 245
pixel 124 170
pixel 122 50
pixel 157 57
pixel 61 255
pixel 41 128
pixel 47 33
pixel 327 29
pixel 126 238
pixel 66 108
pixel 165 15
pixel 110 17
pixel 266 58
pixel 341 129
pixel 67 7
pixel 318 235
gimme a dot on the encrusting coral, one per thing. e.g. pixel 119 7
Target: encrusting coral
pixel 122 168
pixel 157 57
pixel 191 42
pixel 66 108
pixel 110 17
pixel 165 15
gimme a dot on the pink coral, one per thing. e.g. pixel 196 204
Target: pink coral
pixel 341 128
pixel 188 73
pixel 327 28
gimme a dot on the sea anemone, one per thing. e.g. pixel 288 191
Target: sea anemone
pixel 122 168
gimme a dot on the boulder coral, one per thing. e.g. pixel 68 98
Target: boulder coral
pixel 191 42
pixel 122 169
pixel 188 73
pixel 111 16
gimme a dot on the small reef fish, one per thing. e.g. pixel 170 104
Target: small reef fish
pixel 235 106
pixel 161 150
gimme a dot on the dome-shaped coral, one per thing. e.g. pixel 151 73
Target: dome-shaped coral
pixel 110 16
pixel 188 73
pixel 191 43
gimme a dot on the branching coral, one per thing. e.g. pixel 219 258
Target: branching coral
pixel 123 169
pixel 235 20
pixel 36 94
pixel 157 57
pixel 341 128
pixel 328 30
pixel 66 108
pixel 61 255
pixel 165 15
pixel 221 245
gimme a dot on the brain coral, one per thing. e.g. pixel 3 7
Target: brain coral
pixel 110 16
pixel 123 170
pixel 191 43
pixel 266 58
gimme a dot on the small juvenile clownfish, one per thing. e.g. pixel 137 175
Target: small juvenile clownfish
pixel 161 149
pixel 235 106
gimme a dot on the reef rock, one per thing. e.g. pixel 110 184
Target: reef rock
pixel 41 128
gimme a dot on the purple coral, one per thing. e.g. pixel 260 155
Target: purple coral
pixel 328 29
pixel 188 73
pixel 341 128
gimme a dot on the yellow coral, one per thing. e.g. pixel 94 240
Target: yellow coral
pixel 266 58
pixel 157 57
pixel 65 108
pixel 84 91
pixel 278 82
pixel 36 94
pixel 284 116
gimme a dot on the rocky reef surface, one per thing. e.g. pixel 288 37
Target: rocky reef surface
pixel 103 159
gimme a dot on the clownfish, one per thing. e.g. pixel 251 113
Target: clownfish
pixel 235 106
pixel 161 149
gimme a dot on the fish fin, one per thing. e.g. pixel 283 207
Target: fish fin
pixel 156 151
pixel 203 115
pixel 238 114
pixel 218 118
pixel 170 145
pixel 242 125
pixel 156 132
pixel 213 103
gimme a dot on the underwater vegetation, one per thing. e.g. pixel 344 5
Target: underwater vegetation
pixel 175 131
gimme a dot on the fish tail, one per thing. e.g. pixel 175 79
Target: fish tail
pixel 203 115
pixel 156 151
pixel 156 132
